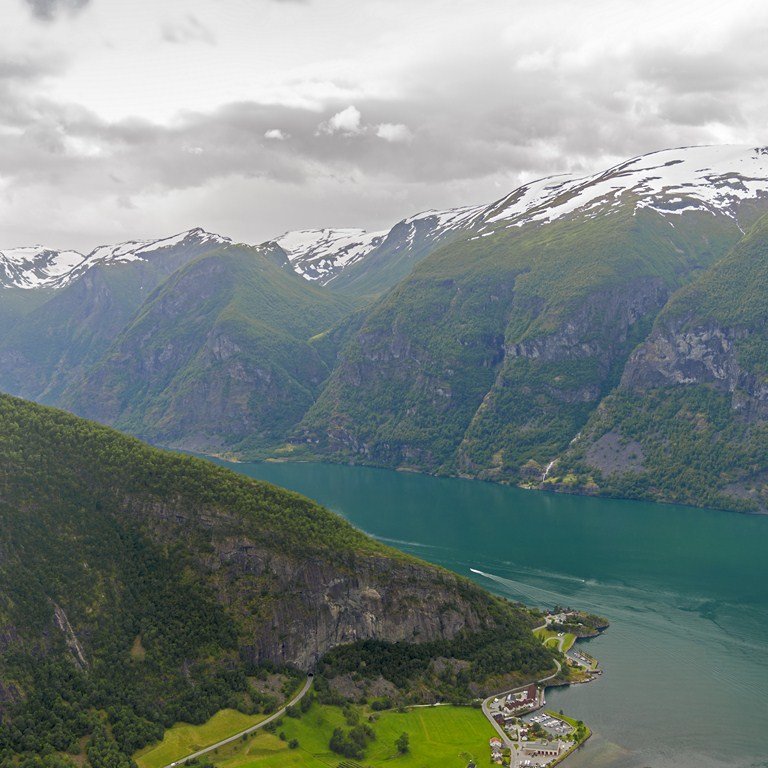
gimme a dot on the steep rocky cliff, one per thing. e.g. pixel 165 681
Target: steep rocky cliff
pixel 490 357
pixel 693 398
pixel 324 597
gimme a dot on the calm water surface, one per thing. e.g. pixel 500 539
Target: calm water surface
pixel 686 591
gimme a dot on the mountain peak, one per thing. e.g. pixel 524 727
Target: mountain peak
pixel 320 254
pixel 38 266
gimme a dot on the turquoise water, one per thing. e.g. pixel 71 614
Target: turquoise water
pixel 686 591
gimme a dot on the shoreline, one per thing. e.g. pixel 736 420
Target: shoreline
pixel 540 488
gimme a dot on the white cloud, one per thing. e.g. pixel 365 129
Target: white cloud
pixel 394 132
pixel 347 122
pixel 94 113
pixel 187 30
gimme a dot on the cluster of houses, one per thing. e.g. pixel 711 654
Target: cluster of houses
pixel 506 712
pixel 496 746
pixel 530 749
pixel 517 703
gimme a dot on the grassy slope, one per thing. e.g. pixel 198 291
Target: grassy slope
pixel 551 639
pixel 410 384
pixel 696 448
pixel 16 303
pixel 183 738
pixel 733 291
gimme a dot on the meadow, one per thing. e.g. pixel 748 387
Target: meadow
pixel 183 738
pixel 444 735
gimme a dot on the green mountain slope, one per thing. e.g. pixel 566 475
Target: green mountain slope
pixel 141 587
pixel 407 244
pixel 491 355
pixel 62 332
pixel 689 422
pixel 16 303
pixel 217 358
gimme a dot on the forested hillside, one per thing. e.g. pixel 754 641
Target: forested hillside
pixel 141 587
pixel 484 341
pixel 51 337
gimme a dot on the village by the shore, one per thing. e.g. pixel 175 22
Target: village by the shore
pixel 530 735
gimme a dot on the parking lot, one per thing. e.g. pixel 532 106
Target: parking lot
pixel 550 724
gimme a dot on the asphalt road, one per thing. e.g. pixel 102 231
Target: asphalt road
pixel 253 728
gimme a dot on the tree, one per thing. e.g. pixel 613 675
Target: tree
pixel 402 743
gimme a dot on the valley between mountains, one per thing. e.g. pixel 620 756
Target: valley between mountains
pixel 601 335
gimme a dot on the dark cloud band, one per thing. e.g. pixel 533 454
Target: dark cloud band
pixel 47 10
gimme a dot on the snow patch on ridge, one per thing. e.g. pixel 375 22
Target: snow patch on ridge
pixel 40 267
pixel 36 266
pixel 673 181
pixel 319 254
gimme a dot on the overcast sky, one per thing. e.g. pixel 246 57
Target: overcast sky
pixel 142 118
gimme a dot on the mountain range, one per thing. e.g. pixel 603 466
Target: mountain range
pixel 593 334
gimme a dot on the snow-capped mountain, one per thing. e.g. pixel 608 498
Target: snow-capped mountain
pixel 673 181
pixel 36 266
pixel 323 254
pixel 320 254
pixel 40 267
pixel 144 250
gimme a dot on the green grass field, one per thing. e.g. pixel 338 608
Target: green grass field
pixel 183 738
pixel 445 736
pixel 550 639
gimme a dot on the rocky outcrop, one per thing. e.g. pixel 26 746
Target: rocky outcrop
pixel 293 609
pixel 549 381
pixel 678 354
pixel 323 605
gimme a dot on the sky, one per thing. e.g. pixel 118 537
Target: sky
pixel 123 120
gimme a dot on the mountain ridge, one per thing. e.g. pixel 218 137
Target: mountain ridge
pixel 671 181
pixel 37 267
pixel 478 341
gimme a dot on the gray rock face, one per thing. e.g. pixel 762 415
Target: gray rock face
pixel 298 608
pixel 614 311
pixel 323 606
pixel 678 355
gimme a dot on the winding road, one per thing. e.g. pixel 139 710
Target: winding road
pixel 200 752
